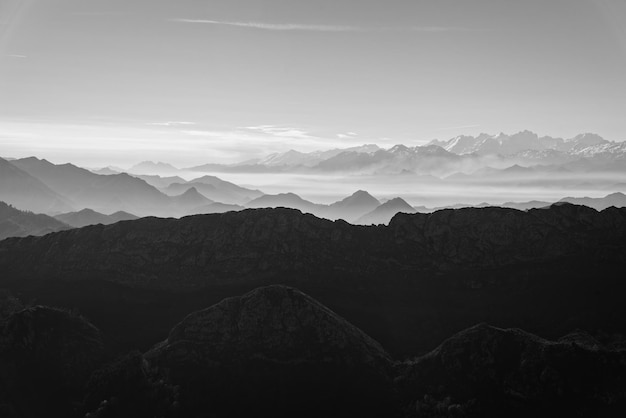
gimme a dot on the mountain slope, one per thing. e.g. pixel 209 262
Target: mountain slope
pixel 352 207
pixel 285 200
pixel 101 193
pixel 272 340
pixel 215 189
pixel 409 284
pixel 253 244
pixel 215 207
pixel 383 213
pixel 158 181
pixel 600 203
pixel 87 217
pixel 17 223
pixel 191 198
pixel 26 192
pixel 47 355
pixel 489 371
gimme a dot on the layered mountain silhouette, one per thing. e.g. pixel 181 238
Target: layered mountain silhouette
pixel 382 214
pixel 310 159
pixel 41 186
pixel 151 167
pixel 522 141
pixel 490 263
pixel 215 207
pixel 87 217
pixel 101 193
pixel 352 207
pixel 441 158
pixel 158 181
pixel 277 351
pixel 18 223
pixel 191 198
pixel 266 243
pixel 600 203
pixel 285 200
pixel 215 189
pixel 27 192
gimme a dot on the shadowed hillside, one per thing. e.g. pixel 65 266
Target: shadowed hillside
pixel 410 284
pixel 276 351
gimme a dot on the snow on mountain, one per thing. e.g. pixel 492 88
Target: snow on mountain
pixel 520 142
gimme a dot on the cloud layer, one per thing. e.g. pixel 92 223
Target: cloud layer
pixel 320 28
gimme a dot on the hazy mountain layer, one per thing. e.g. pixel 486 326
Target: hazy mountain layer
pixel 253 244
pixel 215 189
pixel 87 217
pixel 26 192
pixel 17 223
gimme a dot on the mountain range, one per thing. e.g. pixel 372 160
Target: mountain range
pixel 438 157
pixel 40 186
pixel 87 217
pixel 28 192
pixel 274 349
pixel 486 163
pixel 384 323
pixel 17 223
pixel 504 144
pixel 215 189
pixel 178 197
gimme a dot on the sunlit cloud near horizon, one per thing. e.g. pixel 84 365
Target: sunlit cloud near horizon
pixel 182 143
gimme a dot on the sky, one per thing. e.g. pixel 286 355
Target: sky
pixel 100 82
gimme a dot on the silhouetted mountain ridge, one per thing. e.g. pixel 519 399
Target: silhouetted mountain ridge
pixel 17 223
pixel 263 243
pixel 87 217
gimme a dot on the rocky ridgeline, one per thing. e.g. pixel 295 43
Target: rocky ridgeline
pixel 488 371
pixel 277 352
pixel 266 244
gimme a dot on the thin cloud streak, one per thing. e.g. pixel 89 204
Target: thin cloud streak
pixel 171 123
pixel 323 28
pixel 277 26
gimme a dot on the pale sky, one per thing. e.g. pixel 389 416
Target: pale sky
pixel 100 82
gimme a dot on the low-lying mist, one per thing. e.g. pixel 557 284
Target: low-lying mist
pixel 429 191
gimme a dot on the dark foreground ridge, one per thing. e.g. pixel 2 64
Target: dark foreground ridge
pixel 266 245
pixel 277 352
pixel 409 285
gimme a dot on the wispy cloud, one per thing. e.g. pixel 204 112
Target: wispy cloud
pixel 171 123
pixel 347 135
pixel 277 26
pixel 322 28
pixel 280 131
pixel 16 56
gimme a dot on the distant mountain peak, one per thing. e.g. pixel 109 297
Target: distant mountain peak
pixel 152 167
pixel 386 211
pixel 397 202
